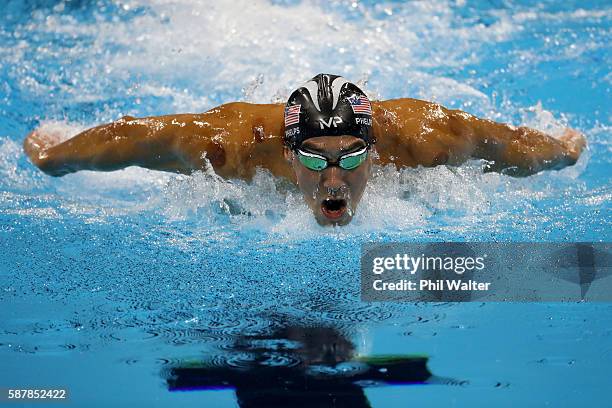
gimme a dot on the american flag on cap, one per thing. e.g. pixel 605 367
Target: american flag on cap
pixel 360 104
pixel 292 115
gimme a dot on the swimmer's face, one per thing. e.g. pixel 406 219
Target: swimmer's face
pixel 334 192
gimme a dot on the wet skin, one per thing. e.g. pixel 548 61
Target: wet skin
pixel 333 193
pixel 236 138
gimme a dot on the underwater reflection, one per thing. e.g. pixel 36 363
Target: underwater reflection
pixel 298 367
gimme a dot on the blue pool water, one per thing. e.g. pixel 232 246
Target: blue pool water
pixel 111 284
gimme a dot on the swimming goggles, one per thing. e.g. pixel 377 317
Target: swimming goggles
pixel 317 162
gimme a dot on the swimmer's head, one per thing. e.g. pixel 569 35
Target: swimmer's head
pixel 328 136
pixel 327 105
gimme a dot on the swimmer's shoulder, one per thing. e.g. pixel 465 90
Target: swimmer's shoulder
pixel 245 117
pixel 404 116
pixel 414 132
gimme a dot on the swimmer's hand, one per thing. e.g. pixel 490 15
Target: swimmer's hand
pixel 37 144
pixel 574 142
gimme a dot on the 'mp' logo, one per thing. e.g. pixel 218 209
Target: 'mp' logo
pixel 330 122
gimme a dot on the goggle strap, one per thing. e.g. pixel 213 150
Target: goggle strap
pixel 307 154
pixel 357 153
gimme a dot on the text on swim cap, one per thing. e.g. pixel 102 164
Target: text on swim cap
pixel 364 121
pixel 292 132
pixel 331 122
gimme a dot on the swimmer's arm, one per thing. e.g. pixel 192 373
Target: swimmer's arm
pixel 518 151
pixel 157 143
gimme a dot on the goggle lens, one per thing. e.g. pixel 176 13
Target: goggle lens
pixel 312 163
pixel 352 162
pixel 347 162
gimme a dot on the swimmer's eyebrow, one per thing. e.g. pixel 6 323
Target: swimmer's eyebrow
pixel 353 147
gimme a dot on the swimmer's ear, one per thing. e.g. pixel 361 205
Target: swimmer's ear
pixel 288 153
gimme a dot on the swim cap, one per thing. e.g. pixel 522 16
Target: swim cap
pixel 327 105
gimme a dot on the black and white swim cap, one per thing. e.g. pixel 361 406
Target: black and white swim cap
pixel 327 105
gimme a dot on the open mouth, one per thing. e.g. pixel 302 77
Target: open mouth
pixel 333 208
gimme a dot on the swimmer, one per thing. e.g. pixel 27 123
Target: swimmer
pixel 325 139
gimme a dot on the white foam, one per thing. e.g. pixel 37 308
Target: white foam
pixel 189 51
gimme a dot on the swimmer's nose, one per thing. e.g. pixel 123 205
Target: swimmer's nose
pixel 332 182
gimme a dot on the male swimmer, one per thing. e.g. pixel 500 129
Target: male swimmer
pixel 330 137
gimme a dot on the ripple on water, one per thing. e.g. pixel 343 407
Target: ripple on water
pixel 249 360
pixel 339 306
